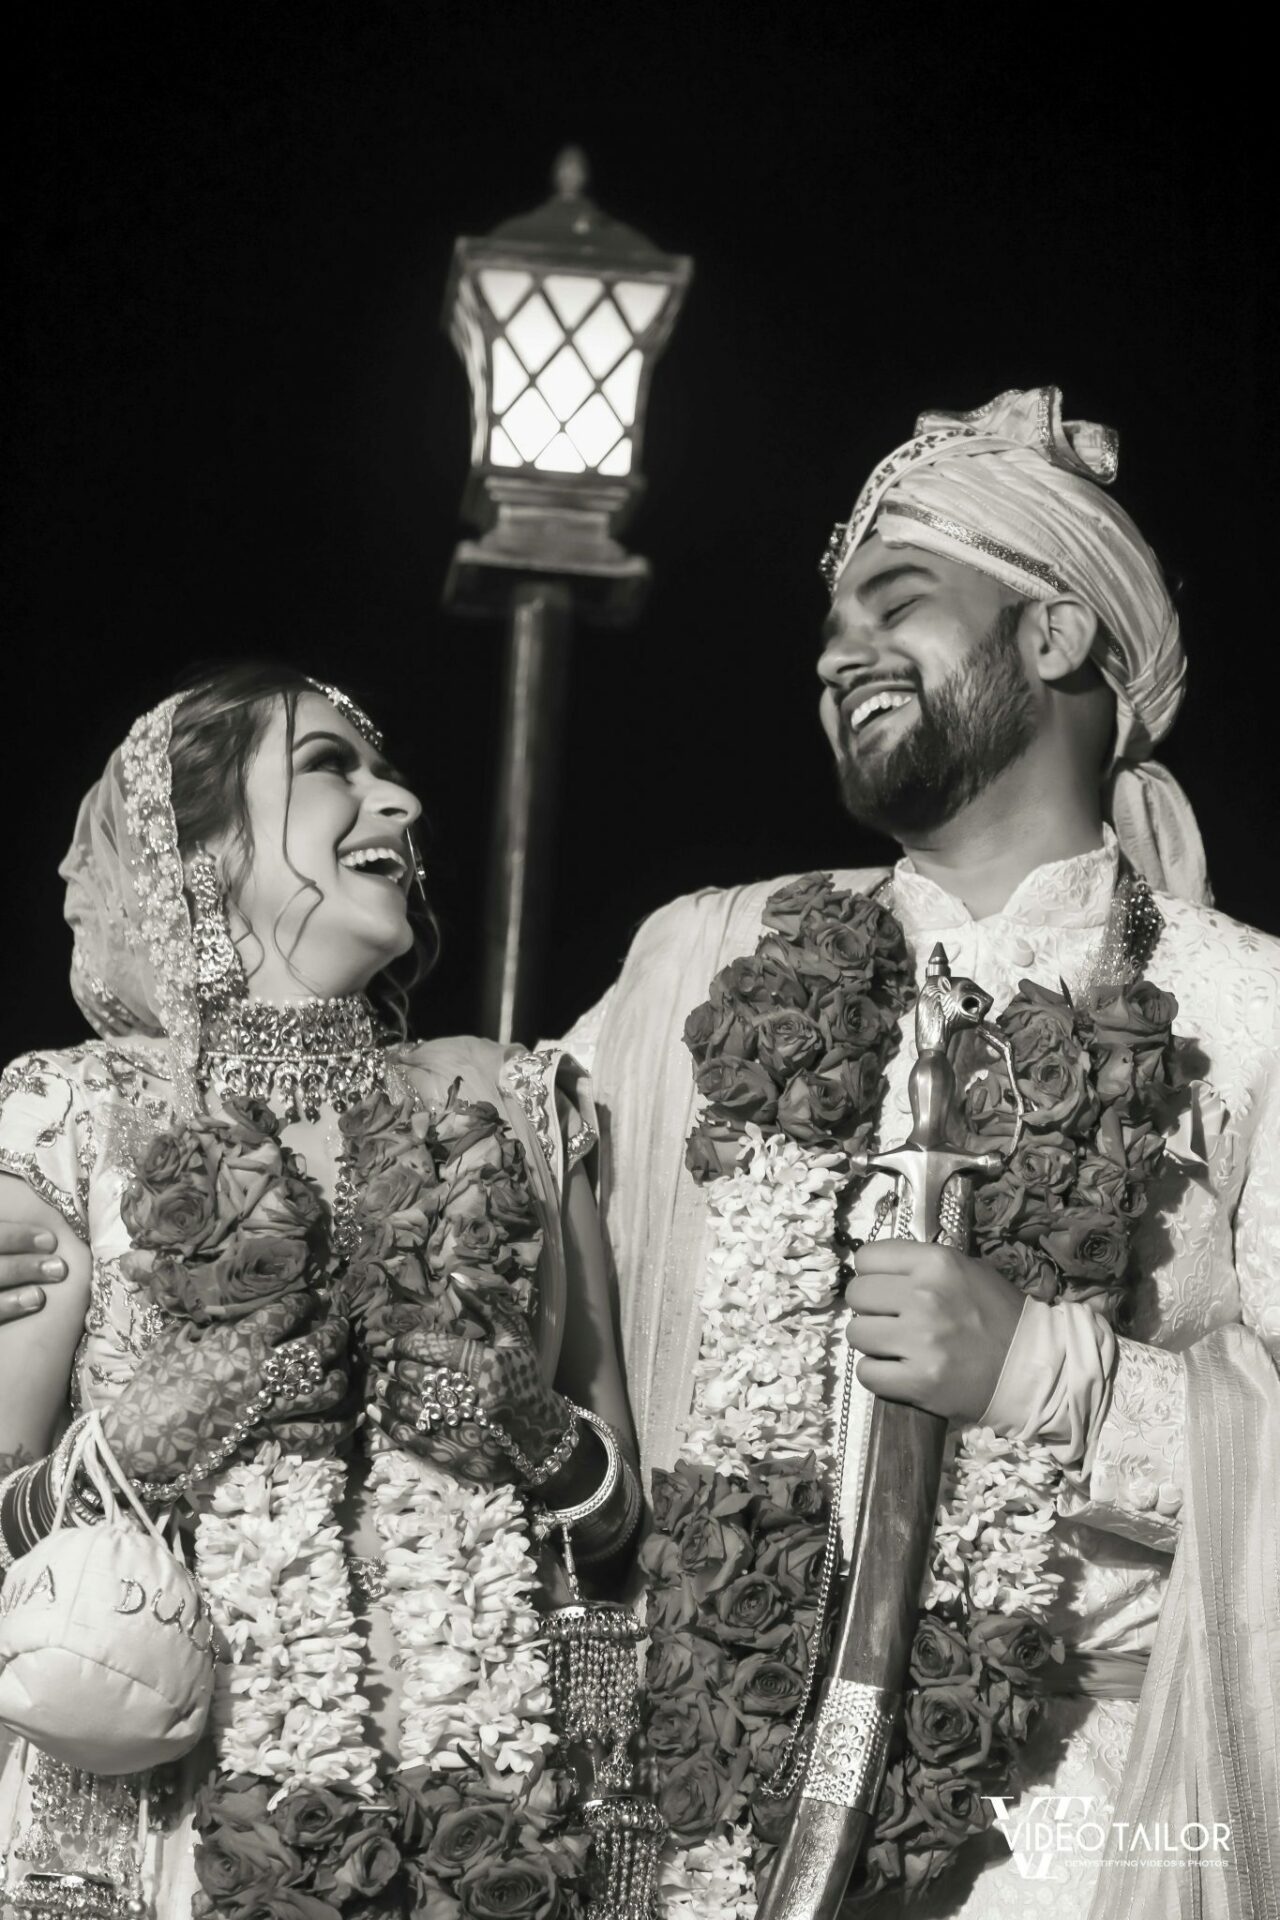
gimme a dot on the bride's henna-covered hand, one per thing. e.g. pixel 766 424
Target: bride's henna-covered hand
pixel 509 1389
pixel 193 1385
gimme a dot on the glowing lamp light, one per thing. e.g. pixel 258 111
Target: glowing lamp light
pixel 559 317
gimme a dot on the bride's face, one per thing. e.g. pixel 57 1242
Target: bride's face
pixel 324 897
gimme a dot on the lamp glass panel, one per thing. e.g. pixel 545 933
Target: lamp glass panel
pixel 504 288
pixel 640 301
pixel 509 377
pixel 535 333
pixel 560 457
pixel 571 294
pixel 565 383
pixel 622 386
pixel 501 451
pixel 602 339
pixel 531 424
pixel 618 461
pixel 593 430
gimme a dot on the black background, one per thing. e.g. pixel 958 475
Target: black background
pixel 235 425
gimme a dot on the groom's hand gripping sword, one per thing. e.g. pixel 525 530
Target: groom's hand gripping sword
pixel 862 1695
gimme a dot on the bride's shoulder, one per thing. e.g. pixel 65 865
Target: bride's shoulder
pixel 478 1061
pixel 93 1069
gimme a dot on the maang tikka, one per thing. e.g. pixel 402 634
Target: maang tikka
pixel 219 973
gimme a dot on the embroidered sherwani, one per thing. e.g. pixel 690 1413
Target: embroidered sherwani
pixel 1207 1254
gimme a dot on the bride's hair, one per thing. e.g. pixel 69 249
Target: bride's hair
pixel 224 714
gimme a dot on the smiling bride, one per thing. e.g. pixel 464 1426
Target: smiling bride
pixel 335 1349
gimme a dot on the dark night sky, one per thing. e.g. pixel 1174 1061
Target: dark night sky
pixel 235 426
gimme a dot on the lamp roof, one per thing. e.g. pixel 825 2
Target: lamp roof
pixel 571 224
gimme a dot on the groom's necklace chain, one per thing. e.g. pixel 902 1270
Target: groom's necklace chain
pixel 301 1057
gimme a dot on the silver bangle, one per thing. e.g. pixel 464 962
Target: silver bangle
pixel 545 1519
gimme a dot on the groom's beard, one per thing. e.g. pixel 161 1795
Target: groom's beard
pixel 967 731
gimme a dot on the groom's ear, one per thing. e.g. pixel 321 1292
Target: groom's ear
pixel 1062 632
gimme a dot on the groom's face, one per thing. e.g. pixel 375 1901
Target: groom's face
pixel 927 695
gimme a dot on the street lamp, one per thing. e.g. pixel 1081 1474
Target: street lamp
pixel 559 317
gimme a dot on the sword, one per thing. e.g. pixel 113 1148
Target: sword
pixel 862 1696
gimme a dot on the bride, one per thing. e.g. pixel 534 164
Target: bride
pixel 347 1406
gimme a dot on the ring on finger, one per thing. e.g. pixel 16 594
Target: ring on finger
pixel 448 1398
pixel 294 1370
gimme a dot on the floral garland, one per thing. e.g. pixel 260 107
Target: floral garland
pixel 302 1822
pixel 790 1051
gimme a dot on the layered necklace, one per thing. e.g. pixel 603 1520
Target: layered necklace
pixel 299 1058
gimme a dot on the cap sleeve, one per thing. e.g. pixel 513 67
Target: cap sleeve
pixel 43 1134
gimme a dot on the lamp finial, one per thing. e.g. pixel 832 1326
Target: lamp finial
pixel 571 173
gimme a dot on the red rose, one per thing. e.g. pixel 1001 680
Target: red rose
pixel 180 1218
pixel 852 1022
pixel 749 1609
pixel 468 1834
pixel 314 1816
pixel 1044 1162
pixel 953 1803
pixel 681 1659
pixel 946 1721
pixel 741 988
pixel 1126 1077
pixel 1057 1089
pixel 1107 1188
pixel 778 975
pixel 813 1107
pixel 739 1088
pixel 938 1652
pixel 837 950
pixel 863 1080
pixel 1026 1268
pixel 1088 1245
pixel 245 1864
pixel 368 1865
pixel 675 1494
pixel 247 1123
pixel 787 906
pixel 1013 1643
pixel 765 1685
pixel 524 1889
pixel 255 1271
pixel 997 1207
pixel 787 1041
pixel 1037 1021
pixel 1125 1016
pixel 674 1725
pixel 988 1106
pixel 712 1553
pixel 169 1156
pixel 290 1206
pixel 697 1794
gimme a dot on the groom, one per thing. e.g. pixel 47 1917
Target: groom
pixel 1000 660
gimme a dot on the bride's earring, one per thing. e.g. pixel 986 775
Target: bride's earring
pixel 219 973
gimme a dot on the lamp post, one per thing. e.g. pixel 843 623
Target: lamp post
pixel 559 317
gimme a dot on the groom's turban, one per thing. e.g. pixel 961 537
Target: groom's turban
pixel 1015 491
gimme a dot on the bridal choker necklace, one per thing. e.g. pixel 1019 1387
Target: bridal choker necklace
pixel 299 1058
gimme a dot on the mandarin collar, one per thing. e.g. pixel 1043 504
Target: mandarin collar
pixel 1063 893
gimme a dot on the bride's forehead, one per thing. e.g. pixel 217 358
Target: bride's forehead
pixel 312 713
